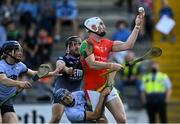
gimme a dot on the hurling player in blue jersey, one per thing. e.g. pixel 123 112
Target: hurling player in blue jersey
pixel 72 74
pixel 11 68
pixel 76 106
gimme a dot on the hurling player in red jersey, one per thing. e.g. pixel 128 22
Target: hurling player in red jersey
pixel 94 52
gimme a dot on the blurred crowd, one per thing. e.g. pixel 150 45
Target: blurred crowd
pixel 36 24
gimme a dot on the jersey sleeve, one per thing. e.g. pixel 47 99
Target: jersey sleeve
pixel 85 49
pixel 24 68
pixel 110 44
pixel 60 58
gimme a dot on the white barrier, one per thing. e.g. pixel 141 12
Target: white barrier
pixel 35 113
pixel 41 113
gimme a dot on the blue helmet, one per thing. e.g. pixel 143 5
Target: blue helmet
pixel 59 96
pixel 10 46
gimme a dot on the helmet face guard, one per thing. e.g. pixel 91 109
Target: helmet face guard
pixel 12 46
pixel 70 40
pixel 60 95
pixel 92 25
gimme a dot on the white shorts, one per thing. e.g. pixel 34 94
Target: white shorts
pixel 94 97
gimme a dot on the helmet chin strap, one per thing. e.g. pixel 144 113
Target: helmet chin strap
pixel 16 60
pixel 101 35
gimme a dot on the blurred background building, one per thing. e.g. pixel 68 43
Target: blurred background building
pixel 42 26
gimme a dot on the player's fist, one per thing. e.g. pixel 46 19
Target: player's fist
pixel 106 91
pixel 140 17
pixel 69 70
pixel 116 67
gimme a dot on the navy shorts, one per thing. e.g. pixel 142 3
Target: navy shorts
pixel 6 108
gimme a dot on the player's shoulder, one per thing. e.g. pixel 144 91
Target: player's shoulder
pixel 106 40
pixel 20 64
pixel 78 93
pixel 62 57
pixel 2 63
pixel 83 46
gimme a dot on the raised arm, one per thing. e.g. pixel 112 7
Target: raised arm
pixel 121 46
pixel 98 110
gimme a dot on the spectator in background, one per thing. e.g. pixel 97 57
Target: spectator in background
pixel 66 11
pixel 131 74
pixel 31 47
pixel 45 46
pixel 7 9
pixel 13 32
pixel 28 10
pixel 166 10
pixel 3 35
pixel 48 18
pixel 156 90
pixel 122 33
pixel 129 4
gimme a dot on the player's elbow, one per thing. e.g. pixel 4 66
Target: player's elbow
pixel 96 115
pixel 128 46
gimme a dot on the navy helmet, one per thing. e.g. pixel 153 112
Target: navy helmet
pixel 59 96
pixel 10 46
pixel 71 39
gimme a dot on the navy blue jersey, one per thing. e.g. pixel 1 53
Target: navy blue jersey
pixel 70 82
pixel 12 71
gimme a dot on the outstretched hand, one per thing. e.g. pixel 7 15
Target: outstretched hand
pixel 57 72
pixel 140 18
pixel 116 67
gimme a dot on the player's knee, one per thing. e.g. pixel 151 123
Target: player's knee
pixel 121 119
pixel 55 119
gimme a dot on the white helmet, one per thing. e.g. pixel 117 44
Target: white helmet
pixel 92 24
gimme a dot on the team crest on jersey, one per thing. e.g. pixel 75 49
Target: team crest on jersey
pixel 70 62
pixel 60 58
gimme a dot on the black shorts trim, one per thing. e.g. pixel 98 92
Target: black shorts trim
pixel 6 108
pixel 84 116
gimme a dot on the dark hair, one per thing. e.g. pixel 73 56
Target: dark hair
pixel 121 22
pixel 71 39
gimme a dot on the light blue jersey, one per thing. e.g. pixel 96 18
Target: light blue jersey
pixel 77 113
pixel 12 71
